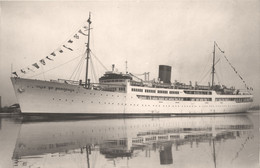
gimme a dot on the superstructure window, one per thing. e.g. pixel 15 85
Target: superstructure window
pixel 162 91
pixel 198 92
pixel 172 98
pixel 112 89
pixel 238 100
pixel 173 92
pixel 149 91
pixel 137 90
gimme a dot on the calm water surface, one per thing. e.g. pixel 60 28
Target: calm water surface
pixel 221 141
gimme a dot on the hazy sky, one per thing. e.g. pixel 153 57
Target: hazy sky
pixel 145 33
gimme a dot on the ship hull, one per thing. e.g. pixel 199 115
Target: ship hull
pixel 45 97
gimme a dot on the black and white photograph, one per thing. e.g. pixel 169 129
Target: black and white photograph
pixel 130 84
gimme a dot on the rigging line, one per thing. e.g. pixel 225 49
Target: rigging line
pixel 79 71
pixel 99 60
pixel 74 74
pixel 80 62
pixel 71 77
pixel 43 72
pixel 97 69
pixel 220 71
pixel 56 66
pixel 218 78
pixel 92 35
pixel 219 47
pixel 208 71
pixel 92 75
pixel 94 72
pixel 205 66
pixel 204 76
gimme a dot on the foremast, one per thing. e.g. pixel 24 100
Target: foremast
pixel 213 66
pixel 87 82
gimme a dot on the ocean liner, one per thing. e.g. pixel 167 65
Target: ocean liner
pixel 120 94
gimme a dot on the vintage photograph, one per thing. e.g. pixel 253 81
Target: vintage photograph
pixel 136 84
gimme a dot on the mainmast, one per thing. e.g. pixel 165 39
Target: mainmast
pixel 213 66
pixel 88 52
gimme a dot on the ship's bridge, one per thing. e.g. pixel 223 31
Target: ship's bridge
pixel 114 77
pixel 114 81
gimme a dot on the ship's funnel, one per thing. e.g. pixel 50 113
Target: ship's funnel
pixel 165 73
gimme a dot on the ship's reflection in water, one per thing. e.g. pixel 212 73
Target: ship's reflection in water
pixel 208 141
